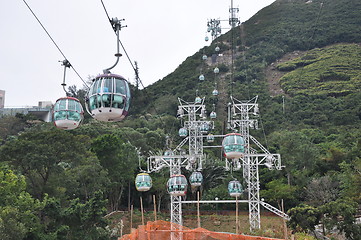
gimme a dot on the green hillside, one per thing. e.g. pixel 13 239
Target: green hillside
pixel 333 71
pixel 282 27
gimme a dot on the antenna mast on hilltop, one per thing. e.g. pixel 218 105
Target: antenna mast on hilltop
pixel 214 25
pixel 233 16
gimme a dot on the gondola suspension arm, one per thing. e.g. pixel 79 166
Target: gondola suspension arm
pixel 116 24
pixel 66 64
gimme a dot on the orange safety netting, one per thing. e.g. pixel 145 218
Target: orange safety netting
pixel 162 230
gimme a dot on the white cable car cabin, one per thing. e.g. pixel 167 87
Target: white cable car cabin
pixel 177 185
pixel 204 128
pixel 213 115
pixel 233 145
pixel 143 182
pixel 183 132
pixel 215 92
pixel 108 99
pixel 198 100
pixel 196 179
pixel 168 153
pixel 235 188
pixel 210 138
pixel 67 113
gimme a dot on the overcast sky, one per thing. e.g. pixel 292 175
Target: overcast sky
pixel 160 35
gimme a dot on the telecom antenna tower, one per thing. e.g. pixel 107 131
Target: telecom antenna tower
pixel 214 25
pixel 233 16
pixel 240 115
pixel 196 124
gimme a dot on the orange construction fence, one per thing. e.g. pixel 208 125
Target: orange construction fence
pixel 162 230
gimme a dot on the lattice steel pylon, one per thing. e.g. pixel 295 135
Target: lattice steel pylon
pixel 239 119
pixel 195 116
pixel 214 27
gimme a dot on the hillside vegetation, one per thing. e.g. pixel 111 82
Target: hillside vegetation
pixel 282 27
pixel 332 71
pixel 59 184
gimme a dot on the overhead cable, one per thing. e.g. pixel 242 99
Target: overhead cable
pixel 56 45
pixel 131 63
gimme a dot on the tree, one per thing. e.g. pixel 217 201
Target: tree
pixel 350 179
pixel 85 220
pixel 321 190
pixel 213 176
pixel 278 190
pixel 41 155
pixel 159 185
pixel 304 218
pixel 120 159
pixel 297 151
pixel 10 125
pixel 77 220
pixel 341 214
pixel 18 210
pixel 84 179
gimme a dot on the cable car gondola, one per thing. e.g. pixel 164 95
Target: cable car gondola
pixel 168 152
pixel 198 100
pixel 167 155
pixel 108 99
pixel 183 132
pixel 196 179
pixel 213 115
pixel 235 188
pixel 177 185
pixel 204 128
pixel 143 182
pixel 67 113
pixel 210 138
pixel 215 92
pixel 233 145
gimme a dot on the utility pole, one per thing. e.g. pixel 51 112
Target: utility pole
pixel 136 75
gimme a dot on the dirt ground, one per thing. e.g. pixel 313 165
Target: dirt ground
pixel 273 75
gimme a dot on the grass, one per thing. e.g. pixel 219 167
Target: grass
pixel 271 226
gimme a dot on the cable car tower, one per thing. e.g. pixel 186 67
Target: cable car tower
pixel 197 126
pixel 214 27
pixel 240 120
